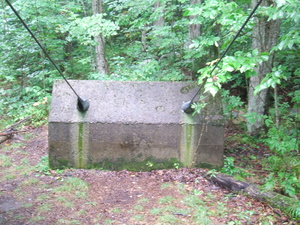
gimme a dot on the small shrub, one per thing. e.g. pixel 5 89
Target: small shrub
pixel 229 167
pixel 284 162
pixel 43 166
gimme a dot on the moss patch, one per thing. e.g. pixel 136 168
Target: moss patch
pixel 60 164
pixel 145 165
pixel 134 165
pixel 207 166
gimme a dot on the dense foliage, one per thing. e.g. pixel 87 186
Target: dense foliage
pixel 144 42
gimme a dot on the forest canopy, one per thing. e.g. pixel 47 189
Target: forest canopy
pixel 152 40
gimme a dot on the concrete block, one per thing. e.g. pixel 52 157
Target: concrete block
pixel 131 122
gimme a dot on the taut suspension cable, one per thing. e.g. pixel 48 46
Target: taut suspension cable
pixel 82 104
pixel 186 107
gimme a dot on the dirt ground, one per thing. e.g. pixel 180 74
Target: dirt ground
pixel 30 193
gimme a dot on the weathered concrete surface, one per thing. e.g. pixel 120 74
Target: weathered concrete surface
pixel 133 121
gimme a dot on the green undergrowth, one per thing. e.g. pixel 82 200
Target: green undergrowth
pixel 272 158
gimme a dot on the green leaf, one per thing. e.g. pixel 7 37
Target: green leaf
pixel 265 56
pixel 295 211
pixel 187 12
pixel 211 88
pixel 228 68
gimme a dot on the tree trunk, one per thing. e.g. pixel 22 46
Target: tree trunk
pixel 160 21
pixel 194 29
pixel 264 38
pixel 144 40
pixel 101 62
pixel 68 48
pixel 91 47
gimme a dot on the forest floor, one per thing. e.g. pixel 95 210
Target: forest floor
pixel 30 193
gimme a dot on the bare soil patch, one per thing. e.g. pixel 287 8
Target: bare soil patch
pixel 30 193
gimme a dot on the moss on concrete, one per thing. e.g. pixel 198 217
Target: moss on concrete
pixel 60 164
pixel 121 164
pixel 208 166
pixel 145 165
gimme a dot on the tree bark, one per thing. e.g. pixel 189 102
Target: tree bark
pixel 160 21
pixel 194 29
pixel 4 138
pixel 101 61
pixel 264 38
pixel 144 40
pixel 92 50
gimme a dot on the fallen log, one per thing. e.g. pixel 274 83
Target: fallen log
pixel 226 181
pixel 16 124
pixel 4 138
pixel 10 131
pixel 286 204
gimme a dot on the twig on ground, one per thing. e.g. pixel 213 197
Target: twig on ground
pixel 10 131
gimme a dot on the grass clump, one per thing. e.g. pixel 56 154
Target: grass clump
pixel 166 199
pixel 5 161
pixel 73 186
